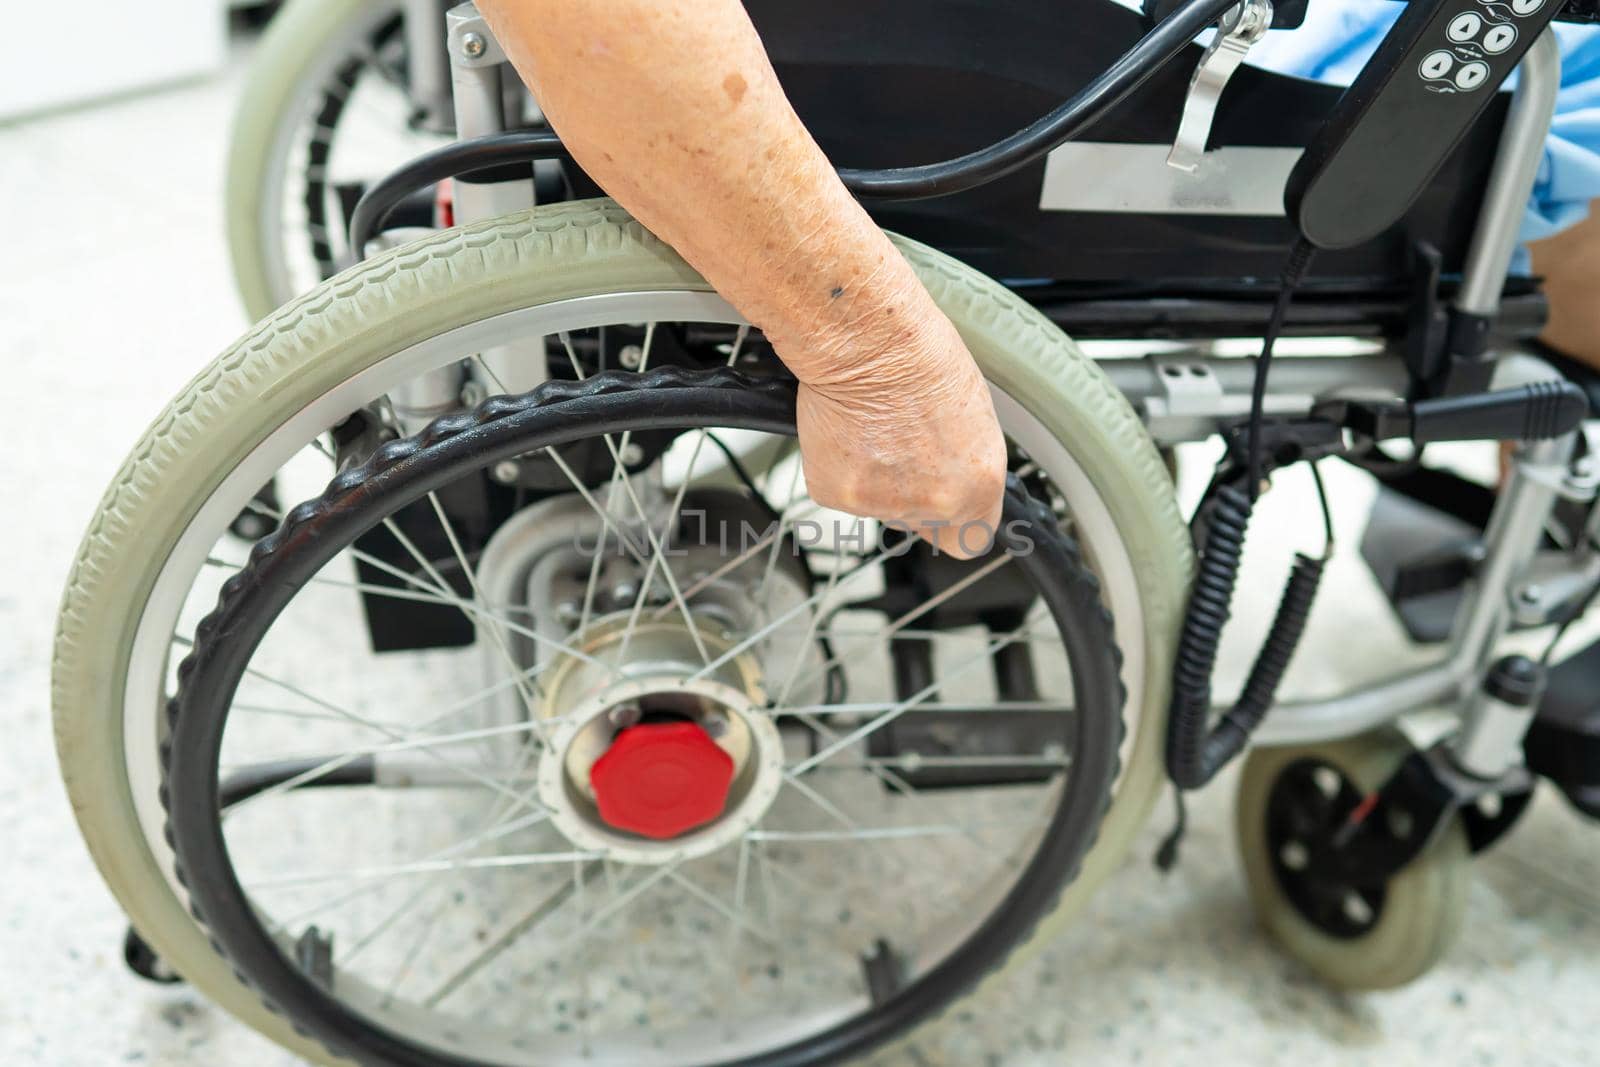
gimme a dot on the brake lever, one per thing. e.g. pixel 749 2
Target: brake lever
pixel 1240 27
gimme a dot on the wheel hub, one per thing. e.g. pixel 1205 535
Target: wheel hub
pixel 1310 803
pixel 661 779
pixel 654 755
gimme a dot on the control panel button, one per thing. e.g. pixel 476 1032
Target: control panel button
pixel 1472 75
pixel 1437 64
pixel 1499 38
pixel 1526 7
pixel 1464 27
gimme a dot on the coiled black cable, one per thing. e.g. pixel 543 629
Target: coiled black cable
pixel 1195 753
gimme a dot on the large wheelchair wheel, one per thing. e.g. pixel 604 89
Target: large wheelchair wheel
pixel 324 110
pixel 157 554
pixel 1358 937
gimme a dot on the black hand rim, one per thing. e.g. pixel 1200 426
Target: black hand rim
pixel 503 427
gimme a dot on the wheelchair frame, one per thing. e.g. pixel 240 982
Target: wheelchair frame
pixel 1213 390
pixel 1192 394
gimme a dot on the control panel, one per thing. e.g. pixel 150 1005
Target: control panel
pixel 1426 84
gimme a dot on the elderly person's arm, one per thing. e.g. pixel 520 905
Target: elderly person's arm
pixel 673 108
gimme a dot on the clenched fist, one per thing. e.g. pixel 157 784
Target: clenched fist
pixel 901 428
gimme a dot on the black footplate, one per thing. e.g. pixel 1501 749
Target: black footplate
pixel 1424 538
pixel 1563 745
pixel 1422 557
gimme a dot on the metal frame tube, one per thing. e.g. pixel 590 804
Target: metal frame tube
pixel 1516 165
pixel 1515 530
pixel 482 80
pixel 429 66
pixel 1517 524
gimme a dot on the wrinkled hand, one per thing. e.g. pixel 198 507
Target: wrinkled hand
pixel 905 432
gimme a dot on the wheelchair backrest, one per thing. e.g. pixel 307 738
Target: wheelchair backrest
pixel 897 82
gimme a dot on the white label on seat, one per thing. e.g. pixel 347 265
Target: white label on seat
pixel 1098 176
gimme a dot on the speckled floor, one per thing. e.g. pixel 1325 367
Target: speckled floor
pixel 114 289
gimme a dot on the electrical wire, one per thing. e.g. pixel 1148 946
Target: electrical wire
pixel 1327 511
pixel 1294 272
pixel 1196 751
pixel 1169 37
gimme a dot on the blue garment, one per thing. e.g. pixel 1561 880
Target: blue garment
pixel 1339 35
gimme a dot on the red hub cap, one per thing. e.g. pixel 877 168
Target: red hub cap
pixel 660 779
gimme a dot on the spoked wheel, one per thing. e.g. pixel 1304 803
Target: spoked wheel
pixel 1352 934
pixel 664 844
pixel 375 644
pixel 325 111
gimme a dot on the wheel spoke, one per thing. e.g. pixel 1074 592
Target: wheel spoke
pixel 805 643
pixel 297 879
pixel 384 925
pixel 723 570
pixel 344 759
pixel 709 899
pixel 421 742
pixel 496 636
pixel 427 593
pixel 472 610
pixel 899 709
pixel 669 530
pixel 872 707
pixel 494 832
pixel 869 834
pixel 889 631
pixel 761 634
pixel 513 932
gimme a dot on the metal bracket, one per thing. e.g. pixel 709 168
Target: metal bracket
pixel 1241 27
pixel 1400 820
pixel 1579 483
pixel 471 44
pixel 488 100
pixel 1190 401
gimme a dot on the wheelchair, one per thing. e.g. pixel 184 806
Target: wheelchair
pixel 554 723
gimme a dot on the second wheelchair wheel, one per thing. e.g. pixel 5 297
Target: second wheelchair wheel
pixel 324 110
pixel 1365 936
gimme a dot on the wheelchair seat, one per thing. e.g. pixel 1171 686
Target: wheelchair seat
pixel 884 83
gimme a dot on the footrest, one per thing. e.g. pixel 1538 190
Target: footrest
pixel 1421 558
pixel 1423 541
pixel 1563 744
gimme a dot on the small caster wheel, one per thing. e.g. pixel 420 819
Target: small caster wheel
pixel 143 961
pixel 1356 937
pixel 259 517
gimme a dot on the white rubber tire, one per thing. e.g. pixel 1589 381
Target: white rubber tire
pixel 461 276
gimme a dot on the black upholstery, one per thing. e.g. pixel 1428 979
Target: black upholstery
pixel 899 82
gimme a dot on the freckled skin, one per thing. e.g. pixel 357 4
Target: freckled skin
pixel 673 108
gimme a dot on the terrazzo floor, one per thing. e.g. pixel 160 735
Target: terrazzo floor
pixel 114 289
